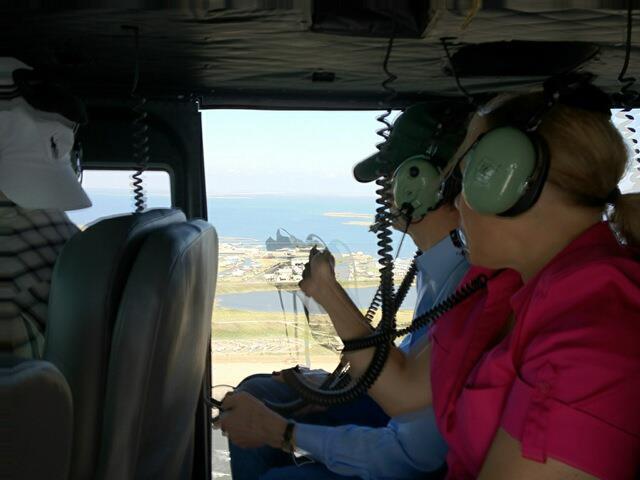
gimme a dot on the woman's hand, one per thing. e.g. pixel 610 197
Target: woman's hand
pixel 319 274
pixel 249 423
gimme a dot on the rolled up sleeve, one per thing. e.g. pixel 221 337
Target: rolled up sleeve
pixel 575 395
pixel 403 449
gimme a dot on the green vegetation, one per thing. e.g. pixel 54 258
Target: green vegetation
pixel 259 285
pixel 231 324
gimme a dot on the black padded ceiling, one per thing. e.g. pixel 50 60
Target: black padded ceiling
pixel 264 52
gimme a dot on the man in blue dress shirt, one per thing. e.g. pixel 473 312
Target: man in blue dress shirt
pixel 358 440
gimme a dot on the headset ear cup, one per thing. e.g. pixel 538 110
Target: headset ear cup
pixel 416 186
pixel 536 181
pixel 498 170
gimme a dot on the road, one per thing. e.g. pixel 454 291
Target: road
pixel 220 457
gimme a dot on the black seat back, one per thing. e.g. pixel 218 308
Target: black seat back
pixel 86 289
pixel 36 420
pixel 158 354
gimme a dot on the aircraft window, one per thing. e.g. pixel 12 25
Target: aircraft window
pixel 631 181
pixel 111 194
pixel 278 182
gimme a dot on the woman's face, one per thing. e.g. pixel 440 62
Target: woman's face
pixel 486 235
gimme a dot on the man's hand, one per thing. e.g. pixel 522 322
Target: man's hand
pixel 319 274
pixel 249 423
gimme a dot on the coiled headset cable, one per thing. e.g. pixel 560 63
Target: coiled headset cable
pixel 140 131
pixel 426 319
pixel 340 393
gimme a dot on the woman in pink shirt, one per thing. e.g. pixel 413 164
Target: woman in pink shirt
pixel 538 375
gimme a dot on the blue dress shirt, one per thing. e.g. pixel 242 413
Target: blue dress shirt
pixel 410 444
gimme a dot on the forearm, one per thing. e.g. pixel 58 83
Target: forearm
pixel 404 385
pixel 346 450
pixel 404 382
pixel 349 324
pixel 347 319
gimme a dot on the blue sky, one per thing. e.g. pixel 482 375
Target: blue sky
pixel 281 152
pixel 287 152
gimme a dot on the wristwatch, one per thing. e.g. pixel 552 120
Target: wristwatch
pixel 287 437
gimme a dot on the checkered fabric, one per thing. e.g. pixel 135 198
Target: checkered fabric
pixel 30 241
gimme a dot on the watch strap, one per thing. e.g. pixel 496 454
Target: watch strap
pixel 287 437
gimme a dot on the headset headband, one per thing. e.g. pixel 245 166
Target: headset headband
pixel 48 96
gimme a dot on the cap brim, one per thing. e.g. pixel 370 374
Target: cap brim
pixel 366 170
pixel 41 187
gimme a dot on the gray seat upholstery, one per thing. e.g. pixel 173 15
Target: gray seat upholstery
pixel 158 356
pixel 36 420
pixel 87 285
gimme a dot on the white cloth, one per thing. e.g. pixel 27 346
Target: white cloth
pixel 35 166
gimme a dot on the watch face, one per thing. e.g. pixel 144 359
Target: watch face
pixel 301 457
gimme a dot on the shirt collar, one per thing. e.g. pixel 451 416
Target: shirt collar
pixel 598 234
pixel 438 262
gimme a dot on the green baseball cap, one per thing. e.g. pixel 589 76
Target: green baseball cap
pixel 412 135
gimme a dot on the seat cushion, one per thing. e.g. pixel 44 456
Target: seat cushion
pixel 37 419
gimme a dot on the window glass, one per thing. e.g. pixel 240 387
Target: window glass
pixel 277 183
pixel 111 193
pixel 631 181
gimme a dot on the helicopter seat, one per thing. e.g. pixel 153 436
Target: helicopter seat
pixel 158 356
pixel 87 285
pixel 37 419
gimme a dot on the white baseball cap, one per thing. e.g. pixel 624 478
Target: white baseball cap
pixel 35 164
pixel 35 149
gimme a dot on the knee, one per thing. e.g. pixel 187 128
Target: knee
pixel 265 387
pixel 276 474
pixel 256 385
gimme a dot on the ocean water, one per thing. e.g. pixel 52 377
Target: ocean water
pixel 341 222
pixel 269 301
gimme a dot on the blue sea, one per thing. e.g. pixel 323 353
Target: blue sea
pixel 269 301
pixel 252 219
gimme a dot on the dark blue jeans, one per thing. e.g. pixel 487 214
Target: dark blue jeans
pixel 272 464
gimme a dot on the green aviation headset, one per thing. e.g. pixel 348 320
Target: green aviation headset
pixel 504 172
pixel 417 187
pixel 505 169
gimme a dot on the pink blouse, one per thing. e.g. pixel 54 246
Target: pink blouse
pixel 565 382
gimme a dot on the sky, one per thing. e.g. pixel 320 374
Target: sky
pixel 283 152
pixel 287 152
pixel 301 153
pixel 631 181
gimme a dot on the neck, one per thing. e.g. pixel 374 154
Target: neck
pixel 541 248
pixel 434 227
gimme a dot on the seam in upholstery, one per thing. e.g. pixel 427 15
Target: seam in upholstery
pixel 107 340
pixel 161 310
